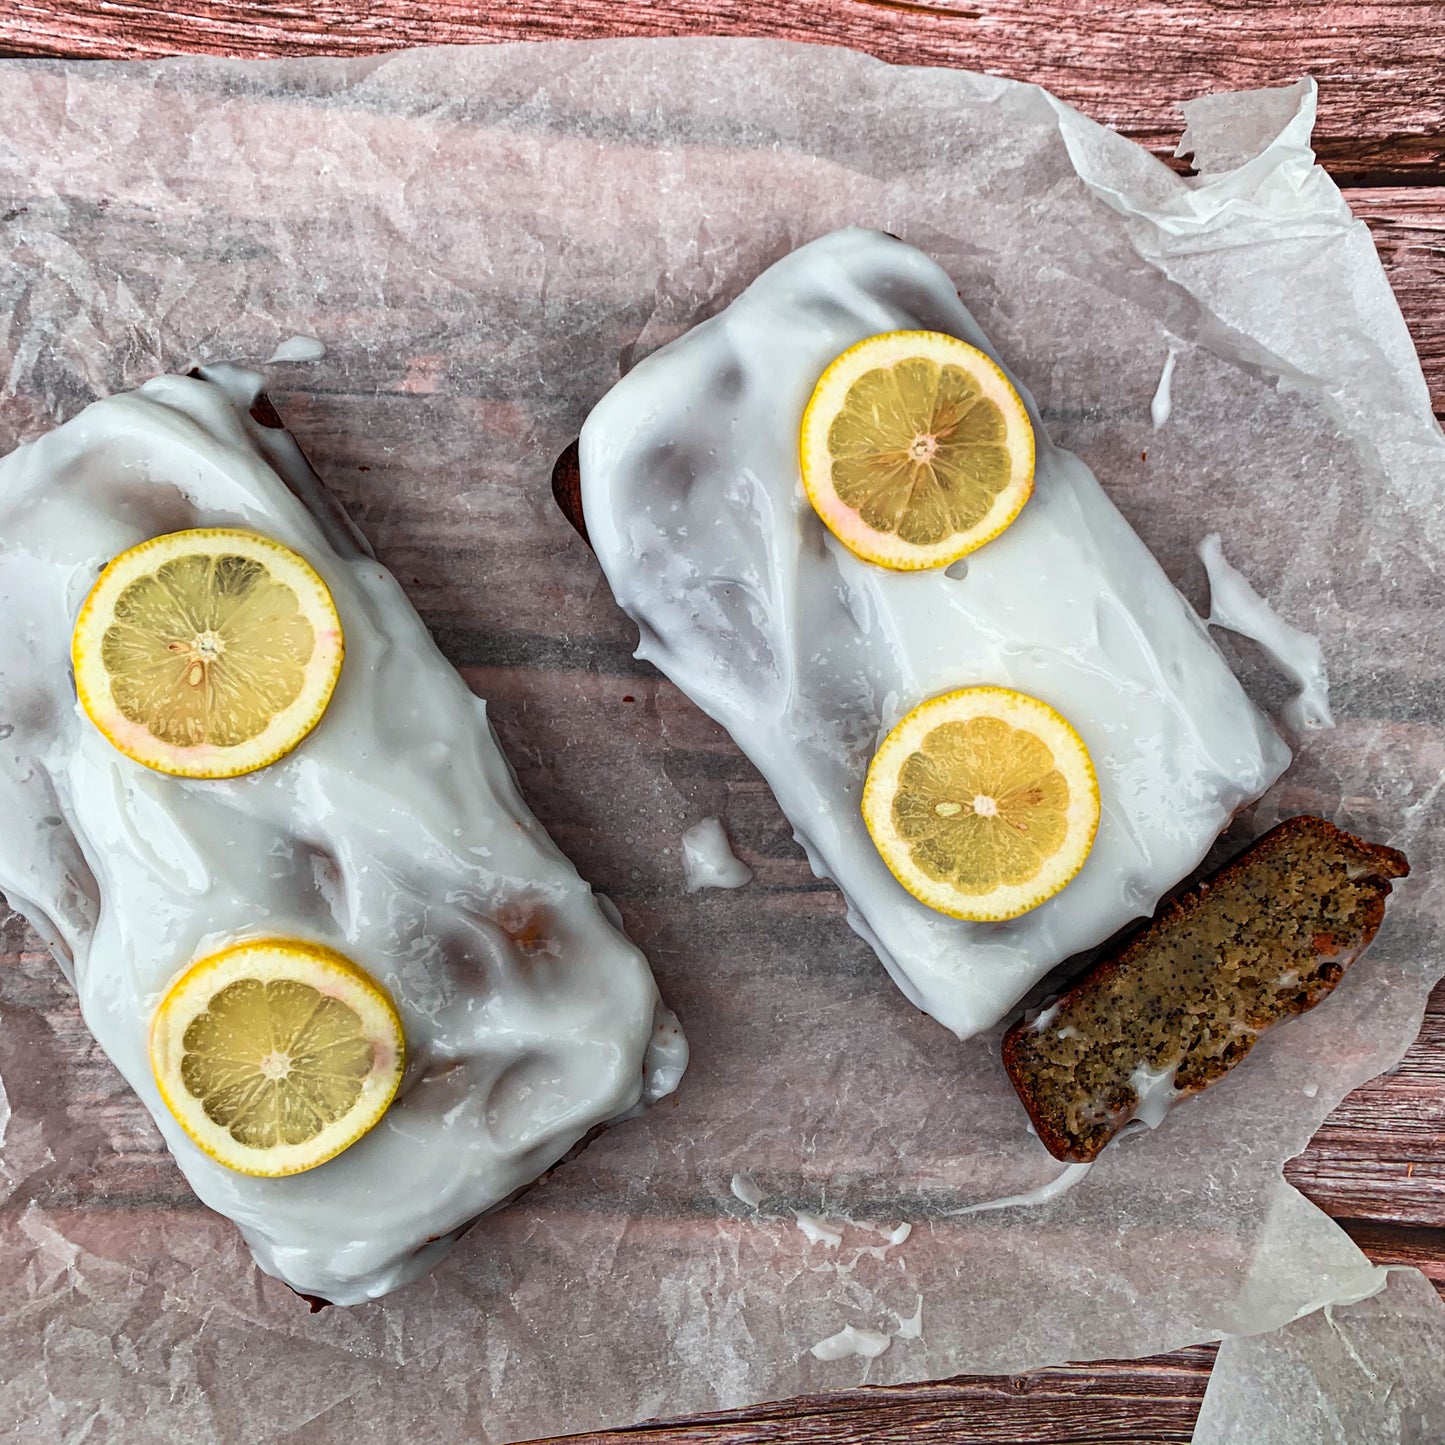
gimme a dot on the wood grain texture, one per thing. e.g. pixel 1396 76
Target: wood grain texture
pixel 1380 1157
pixel 1143 1402
pixel 1378 1164
pixel 1408 226
pixel 1378 63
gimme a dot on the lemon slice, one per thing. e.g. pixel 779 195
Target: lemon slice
pixel 276 1055
pixel 916 450
pixel 983 803
pixel 207 653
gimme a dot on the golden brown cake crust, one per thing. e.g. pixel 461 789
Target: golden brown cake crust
pixel 567 489
pixel 1305 900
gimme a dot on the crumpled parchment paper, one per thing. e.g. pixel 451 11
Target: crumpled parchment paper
pixel 1379 1362
pixel 483 240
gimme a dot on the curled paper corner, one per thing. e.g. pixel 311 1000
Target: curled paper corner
pixel 1256 166
pixel 1229 129
pixel 1366 1372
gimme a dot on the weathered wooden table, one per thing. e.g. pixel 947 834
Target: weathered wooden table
pixel 1378 1164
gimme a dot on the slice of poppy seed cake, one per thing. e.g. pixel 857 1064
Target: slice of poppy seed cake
pixel 1265 938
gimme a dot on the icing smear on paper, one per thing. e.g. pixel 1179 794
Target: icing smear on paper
pixel 1162 406
pixel 850 1341
pixel 1060 1184
pixel 745 1188
pixel 1237 607
pixel 708 859
pixel 829 1231
pixel 869 1344
pixel 297 348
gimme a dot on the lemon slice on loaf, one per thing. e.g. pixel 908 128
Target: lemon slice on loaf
pixel 916 450
pixel 983 803
pixel 276 1055
pixel 207 653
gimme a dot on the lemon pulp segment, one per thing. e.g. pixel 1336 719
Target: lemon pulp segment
pixel 276 1055
pixel 916 450
pixel 207 653
pixel 983 803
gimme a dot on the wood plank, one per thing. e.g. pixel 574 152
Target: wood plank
pixel 1380 1157
pixel 1408 226
pixel 1132 1402
pixel 1378 62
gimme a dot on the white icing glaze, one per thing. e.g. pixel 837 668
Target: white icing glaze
pixel 1235 605
pixel 1046 1019
pixel 298 348
pixel 868 1344
pixel 1154 1088
pixel 807 655
pixel 745 1188
pixel 819 1229
pixel 1060 1184
pixel 1161 406
pixel 394 833
pixel 708 859
pixel 912 1327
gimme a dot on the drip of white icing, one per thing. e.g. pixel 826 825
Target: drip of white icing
pixel 912 1327
pixel 850 1341
pixel 745 1188
pixel 743 598
pixel 1046 1019
pixel 1060 1184
pixel 297 348
pixel 708 860
pixel 1235 605
pixel 1156 1093
pixel 667 1054
pixel 1162 405
pixel 395 833
pixel 819 1229
pixel 868 1344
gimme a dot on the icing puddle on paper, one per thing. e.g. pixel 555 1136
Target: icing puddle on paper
pixel 297 348
pixel 745 1188
pixel 394 833
pixel 851 1342
pixel 708 860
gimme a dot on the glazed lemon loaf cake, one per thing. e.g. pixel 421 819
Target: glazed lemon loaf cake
pixel 781 498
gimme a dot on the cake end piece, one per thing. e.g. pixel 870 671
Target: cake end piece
pixel 1262 940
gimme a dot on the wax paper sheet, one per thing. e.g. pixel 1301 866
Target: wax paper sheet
pixel 1383 1356
pixel 483 240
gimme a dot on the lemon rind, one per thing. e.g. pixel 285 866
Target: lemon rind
pixel 1012 707
pixel 815 463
